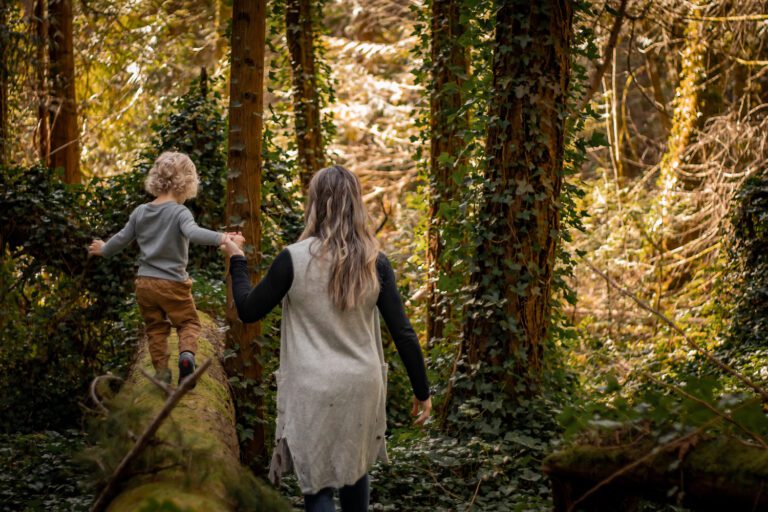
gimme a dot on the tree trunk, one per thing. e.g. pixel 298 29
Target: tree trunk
pixel 449 69
pixel 65 134
pixel 518 224
pixel 4 132
pixel 246 105
pixel 685 116
pixel 41 34
pixel 306 101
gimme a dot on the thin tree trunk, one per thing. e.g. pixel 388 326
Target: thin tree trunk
pixel 685 117
pixel 41 34
pixel 518 225
pixel 652 67
pixel 4 132
pixel 449 69
pixel 65 134
pixel 306 102
pixel 246 106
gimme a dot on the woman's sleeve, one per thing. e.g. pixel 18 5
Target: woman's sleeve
pixel 407 343
pixel 253 304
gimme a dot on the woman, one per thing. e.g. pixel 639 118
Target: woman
pixel 331 384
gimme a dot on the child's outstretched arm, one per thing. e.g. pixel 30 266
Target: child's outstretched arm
pixel 195 233
pixel 118 242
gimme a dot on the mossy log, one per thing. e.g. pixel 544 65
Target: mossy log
pixel 715 474
pixel 202 427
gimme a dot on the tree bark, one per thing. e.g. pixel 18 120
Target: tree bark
pixel 246 106
pixel 41 34
pixel 508 316
pixel 4 132
pixel 306 101
pixel 685 118
pixel 65 134
pixel 449 71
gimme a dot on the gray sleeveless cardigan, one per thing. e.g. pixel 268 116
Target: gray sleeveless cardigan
pixel 331 385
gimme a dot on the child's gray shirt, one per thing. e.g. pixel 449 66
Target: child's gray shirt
pixel 163 232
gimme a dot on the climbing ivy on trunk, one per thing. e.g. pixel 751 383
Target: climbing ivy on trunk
pixel 518 224
pixel 246 106
pixel 300 35
pixel 448 126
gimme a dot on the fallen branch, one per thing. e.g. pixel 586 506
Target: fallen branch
pixel 727 417
pixel 680 441
pixel 165 388
pixel 698 348
pixel 107 493
pixel 94 395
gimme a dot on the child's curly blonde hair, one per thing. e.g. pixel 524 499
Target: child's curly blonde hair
pixel 173 173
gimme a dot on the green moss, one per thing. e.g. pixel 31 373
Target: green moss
pixel 137 497
pixel 725 457
pixel 203 458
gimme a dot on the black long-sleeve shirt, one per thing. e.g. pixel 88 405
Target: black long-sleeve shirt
pixel 253 304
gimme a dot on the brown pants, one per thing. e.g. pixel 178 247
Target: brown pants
pixel 164 303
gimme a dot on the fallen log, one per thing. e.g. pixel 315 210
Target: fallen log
pixel 192 460
pixel 708 475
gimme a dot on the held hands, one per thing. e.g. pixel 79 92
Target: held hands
pixel 426 408
pixel 95 248
pixel 232 244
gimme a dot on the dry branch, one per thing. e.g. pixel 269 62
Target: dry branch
pixel 597 76
pixel 109 490
pixel 727 417
pixel 94 393
pixel 165 388
pixel 698 348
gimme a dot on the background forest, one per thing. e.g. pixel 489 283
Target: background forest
pixel 573 194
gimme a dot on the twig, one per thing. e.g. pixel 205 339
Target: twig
pixel 94 394
pixel 744 17
pixel 106 494
pixel 474 496
pixel 698 348
pixel 597 76
pixel 386 215
pixel 625 469
pixel 162 385
pixel 709 406
pixel 629 467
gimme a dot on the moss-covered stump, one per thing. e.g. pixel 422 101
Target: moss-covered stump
pixel 193 462
pixel 715 474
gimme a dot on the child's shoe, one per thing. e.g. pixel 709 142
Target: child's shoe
pixel 163 375
pixel 186 365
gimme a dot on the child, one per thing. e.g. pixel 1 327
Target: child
pixel 163 229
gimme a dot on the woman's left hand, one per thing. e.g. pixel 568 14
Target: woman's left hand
pixel 425 406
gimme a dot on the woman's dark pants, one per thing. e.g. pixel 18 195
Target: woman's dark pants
pixel 353 498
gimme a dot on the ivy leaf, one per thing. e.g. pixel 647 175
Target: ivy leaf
pixel 598 139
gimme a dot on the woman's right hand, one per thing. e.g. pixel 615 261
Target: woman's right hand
pixel 231 248
pixel 425 406
pixel 237 237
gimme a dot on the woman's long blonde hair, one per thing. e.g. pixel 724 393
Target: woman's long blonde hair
pixel 336 215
